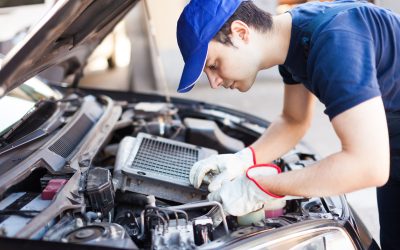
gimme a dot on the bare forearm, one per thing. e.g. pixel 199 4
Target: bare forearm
pixel 362 162
pixel 337 174
pixel 280 137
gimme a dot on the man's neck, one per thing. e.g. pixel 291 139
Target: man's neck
pixel 276 42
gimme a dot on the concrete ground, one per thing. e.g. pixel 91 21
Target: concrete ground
pixel 264 99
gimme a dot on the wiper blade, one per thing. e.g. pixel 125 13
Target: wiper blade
pixel 30 121
pixel 33 136
pixel 29 138
pixel 34 125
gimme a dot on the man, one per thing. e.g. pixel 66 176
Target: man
pixel 345 53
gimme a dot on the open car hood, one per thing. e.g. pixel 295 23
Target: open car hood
pixel 70 31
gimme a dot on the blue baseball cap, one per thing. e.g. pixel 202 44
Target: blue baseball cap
pixel 199 22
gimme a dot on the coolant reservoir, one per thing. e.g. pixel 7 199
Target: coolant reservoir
pixel 250 218
pixel 273 209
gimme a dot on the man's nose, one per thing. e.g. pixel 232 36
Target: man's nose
pixel 215 80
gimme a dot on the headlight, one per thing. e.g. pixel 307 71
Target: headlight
pixel 327 238
pixel 323 234
pixel 335 239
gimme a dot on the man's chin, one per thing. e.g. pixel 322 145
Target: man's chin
pixel 244 87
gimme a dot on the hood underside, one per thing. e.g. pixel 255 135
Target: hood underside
pixel 70 31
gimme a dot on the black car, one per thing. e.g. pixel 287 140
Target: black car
pixel 93 169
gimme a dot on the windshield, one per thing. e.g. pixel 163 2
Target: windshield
pixel 20 101
pixel 35 90
pixel 12 109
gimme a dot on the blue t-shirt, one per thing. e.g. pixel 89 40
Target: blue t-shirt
pixel 354 57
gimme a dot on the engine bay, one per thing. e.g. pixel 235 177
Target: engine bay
pixel 133 191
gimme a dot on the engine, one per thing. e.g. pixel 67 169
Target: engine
pixel 136 193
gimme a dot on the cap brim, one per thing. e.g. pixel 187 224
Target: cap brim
pixel 193 68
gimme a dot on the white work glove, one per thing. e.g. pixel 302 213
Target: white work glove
pixel 224 166
pixel 243 194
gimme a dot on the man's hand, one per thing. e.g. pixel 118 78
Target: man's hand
pixel 243 194
pixel 225 166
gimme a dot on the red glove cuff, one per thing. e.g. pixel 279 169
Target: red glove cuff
pixel 257 184
pixel 253 152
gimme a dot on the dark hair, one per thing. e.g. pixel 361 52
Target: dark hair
pixel 248 13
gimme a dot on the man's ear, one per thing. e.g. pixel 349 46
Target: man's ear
pixel 241 30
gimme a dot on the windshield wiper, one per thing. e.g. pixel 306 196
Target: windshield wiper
pixel 33 136
pixel 30 127
pixel 30 122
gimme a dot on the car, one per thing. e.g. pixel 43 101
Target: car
pixel 99 169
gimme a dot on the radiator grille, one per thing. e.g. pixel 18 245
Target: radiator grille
pixel 165 159
pixel 68 142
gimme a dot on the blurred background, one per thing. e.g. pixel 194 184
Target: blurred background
pixel 142 55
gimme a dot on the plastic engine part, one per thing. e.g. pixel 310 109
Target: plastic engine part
pixel 52 188
pixel 99 190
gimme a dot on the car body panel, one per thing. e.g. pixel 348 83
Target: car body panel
pixel 70 31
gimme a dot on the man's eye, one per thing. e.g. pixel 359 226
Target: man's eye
pixel 213 67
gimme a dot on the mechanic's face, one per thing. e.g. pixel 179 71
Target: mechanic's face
pixel 230 67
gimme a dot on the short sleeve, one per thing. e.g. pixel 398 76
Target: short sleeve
pixel 342 70
pixel 286 75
